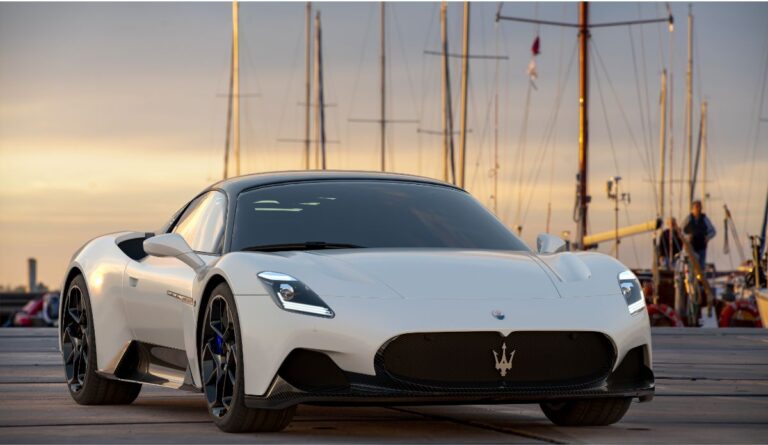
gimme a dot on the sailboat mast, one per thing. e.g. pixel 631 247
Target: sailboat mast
pixel 383 55
pixel 228 138
pixel 704 122
pixel 689 105
pixel 444 87
pixel 448 161
pixel 464 84
pixel 496 149
pixel 307 85
pixel 236 86
pixel 583 197
pixel 662 158
pixel 662 139
pixel 764 226
pixel 320 100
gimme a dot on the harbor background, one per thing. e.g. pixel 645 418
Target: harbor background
pixel 112 115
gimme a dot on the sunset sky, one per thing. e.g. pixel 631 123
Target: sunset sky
pixel 112 115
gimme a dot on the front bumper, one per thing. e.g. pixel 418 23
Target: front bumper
pixel 282 395
pixel 632 378
pixel 352 339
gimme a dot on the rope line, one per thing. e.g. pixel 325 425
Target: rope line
pixel 549 131
pixel 626 120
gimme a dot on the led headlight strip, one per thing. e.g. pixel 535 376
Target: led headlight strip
pixel 293 295
pixel 632 291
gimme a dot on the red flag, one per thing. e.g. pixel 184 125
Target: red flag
pixel 535 50
pixel 536 47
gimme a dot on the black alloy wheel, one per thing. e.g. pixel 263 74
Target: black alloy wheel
pixel 74 338
pixel 221 369
pixel 219 356
pixel 78 348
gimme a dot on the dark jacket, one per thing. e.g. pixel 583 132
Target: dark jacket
pixel 700 229
pixel 667 250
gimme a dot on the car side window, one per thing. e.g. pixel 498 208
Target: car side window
pixel 202 224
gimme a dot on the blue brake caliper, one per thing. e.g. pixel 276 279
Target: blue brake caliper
pixel 219 344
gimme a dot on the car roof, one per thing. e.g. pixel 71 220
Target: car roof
pixel 235 186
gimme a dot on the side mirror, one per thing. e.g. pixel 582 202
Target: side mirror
pixel 173 245
pixel 546 243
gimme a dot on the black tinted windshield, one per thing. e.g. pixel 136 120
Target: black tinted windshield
pixel 366 214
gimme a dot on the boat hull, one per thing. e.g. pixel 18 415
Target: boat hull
pixel 762 304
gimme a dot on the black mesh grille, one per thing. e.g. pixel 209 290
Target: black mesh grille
pixel 466 359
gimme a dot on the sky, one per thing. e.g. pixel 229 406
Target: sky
pixel 112 115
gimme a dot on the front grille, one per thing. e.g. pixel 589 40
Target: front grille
pixel 466 359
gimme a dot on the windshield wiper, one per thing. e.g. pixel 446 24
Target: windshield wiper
pixel 307 245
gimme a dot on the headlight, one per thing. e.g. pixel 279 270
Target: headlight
pixel 293 295
pixel 632 291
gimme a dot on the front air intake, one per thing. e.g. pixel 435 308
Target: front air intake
pixel 489 360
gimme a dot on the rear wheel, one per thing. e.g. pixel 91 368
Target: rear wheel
pixel 221 369
pixel 78 347
pixel 588 412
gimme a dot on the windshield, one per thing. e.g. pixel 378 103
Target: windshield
pixel 359 213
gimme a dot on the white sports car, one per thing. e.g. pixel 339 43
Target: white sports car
pixel 271 290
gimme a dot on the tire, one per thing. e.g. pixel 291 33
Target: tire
pixel 220 355
pixel 78 347
pixel 589 412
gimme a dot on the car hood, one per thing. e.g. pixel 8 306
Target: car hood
pixel 442 273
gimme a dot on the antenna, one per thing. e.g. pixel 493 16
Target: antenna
pixel 612 190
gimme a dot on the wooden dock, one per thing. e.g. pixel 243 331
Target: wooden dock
pixel 712 387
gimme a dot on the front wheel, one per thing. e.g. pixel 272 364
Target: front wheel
pixel 221 369
pixel 589 412
pixel 78 346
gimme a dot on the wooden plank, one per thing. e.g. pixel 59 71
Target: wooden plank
pixel 721 357
pixel 711 372
pixel 712 387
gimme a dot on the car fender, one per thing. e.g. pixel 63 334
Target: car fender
pixel 102 264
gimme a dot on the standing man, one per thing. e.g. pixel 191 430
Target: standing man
pixel 669 244
pixel 700 230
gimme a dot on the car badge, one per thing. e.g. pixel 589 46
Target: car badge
pixel 498 314
pixel 503 365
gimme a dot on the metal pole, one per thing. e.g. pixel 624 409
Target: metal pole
pixel 689 106
pixel 308 85
pixel 616 217
pixel 704 153
pixel 496 151
pixel 320 92
pixel 764 226
pixel 383 87
pixel 444 89
pixel 464 86
pixel 583 121
pixel 382 120
pixel 671 121
pixel 228 138
pixel 236 85
pixel 662 139
pixel 662 159
pixel 496 130
pixel 317 105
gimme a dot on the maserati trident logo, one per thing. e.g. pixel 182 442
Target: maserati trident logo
pixel 503 365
